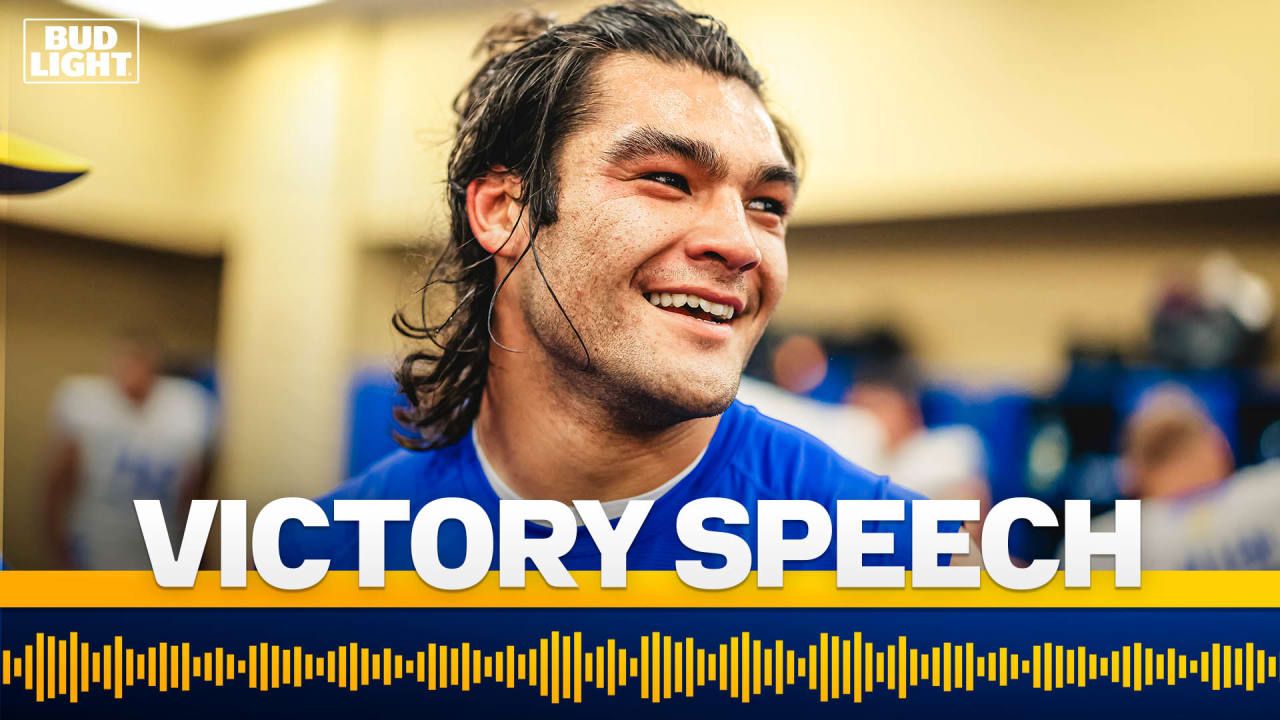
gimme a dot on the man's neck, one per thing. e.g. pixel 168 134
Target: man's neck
pixel 548 443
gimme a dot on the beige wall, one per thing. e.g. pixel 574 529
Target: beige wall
pixel 65 298
pixel 920 107
pixel 288 145
pixel 999 297
pixel 906 108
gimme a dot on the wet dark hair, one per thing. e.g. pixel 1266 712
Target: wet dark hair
pixel 534 90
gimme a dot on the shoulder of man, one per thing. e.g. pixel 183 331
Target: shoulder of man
pixel 785 462
pixel 180 388
pixel 416 476
pixel 77 399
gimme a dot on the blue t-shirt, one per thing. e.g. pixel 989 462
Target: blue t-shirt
pixel 751 457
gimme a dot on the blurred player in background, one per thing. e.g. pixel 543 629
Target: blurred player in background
pixel 1196 514
pixel 945 463
pixel 130 435
pixel 798 365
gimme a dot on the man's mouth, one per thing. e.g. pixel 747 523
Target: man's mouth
pixel 693 306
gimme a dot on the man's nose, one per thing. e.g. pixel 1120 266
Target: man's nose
pixel 723 235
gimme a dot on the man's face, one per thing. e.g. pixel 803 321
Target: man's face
pixel 676 189
pixel 134 369
pixel 898 414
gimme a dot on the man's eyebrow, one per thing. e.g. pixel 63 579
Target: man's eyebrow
pixel 647 142
pixel 775 173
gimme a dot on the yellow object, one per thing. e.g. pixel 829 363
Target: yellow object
pixel 27 166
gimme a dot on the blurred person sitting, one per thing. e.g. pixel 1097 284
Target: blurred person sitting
pixel 798 365
pixel 132 435
pixel 1196 514
pixel 944 463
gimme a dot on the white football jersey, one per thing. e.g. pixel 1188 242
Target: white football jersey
pixel 937 462
pixel 851 431
pixel 1234 526
pixel 127 452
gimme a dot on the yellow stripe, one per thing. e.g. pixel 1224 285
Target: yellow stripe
pixel 1179 589
pixel 50 666
pixel 733 667
pixel 666 668
pixel 84 667
pixel 890 662
pixel 870 656
pixel 1248 672
pixel 464 653
pixel 62 667
pixel 833 668
pixel 39 667
pixel 453 662
pixel 811 672
pixel 968 666
pixel 264 667
pixel 611 652
pixel 577 667
pixel 688 666
pixel 20 152
pixel 846 662
pixel 644 666
pixel 857 667
pixel 721 668
pixel 824 689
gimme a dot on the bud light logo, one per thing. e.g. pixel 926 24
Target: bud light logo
pixel 80 51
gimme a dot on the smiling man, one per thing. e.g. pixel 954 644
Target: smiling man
pixel 620 197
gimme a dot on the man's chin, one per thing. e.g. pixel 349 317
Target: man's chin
pixel 671 405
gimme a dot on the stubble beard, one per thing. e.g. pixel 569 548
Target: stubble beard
pixel 625 384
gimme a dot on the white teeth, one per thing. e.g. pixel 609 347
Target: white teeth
pixel 679 300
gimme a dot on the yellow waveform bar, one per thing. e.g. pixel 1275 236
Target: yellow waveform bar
pixel 564 669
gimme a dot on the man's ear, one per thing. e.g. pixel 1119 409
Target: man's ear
pixel 494 209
